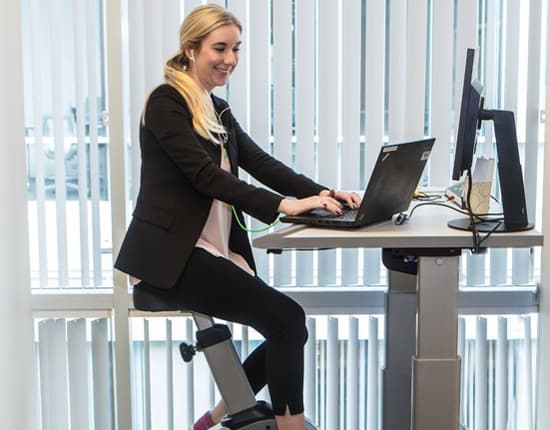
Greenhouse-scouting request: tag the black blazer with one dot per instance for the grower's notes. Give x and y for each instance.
(180, 177)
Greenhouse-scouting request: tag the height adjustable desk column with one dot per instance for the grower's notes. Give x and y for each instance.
(434, 361)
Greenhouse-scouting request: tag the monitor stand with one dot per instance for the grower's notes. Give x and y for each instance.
(496, 226)
(510, 175)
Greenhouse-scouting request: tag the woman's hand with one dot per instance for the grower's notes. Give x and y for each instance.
(328, 200)
(298, 206)
(353, 200)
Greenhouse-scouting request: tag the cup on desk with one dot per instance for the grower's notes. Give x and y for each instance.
(480, 197)
(482, 185)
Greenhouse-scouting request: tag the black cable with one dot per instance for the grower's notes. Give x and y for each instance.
(456, 209)
(499, 223)
(474, 218)
(475, 235)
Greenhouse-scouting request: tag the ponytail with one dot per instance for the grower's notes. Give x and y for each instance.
(204, 117)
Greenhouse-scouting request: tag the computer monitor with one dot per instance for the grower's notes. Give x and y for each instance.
(468, 123)
(514, 207)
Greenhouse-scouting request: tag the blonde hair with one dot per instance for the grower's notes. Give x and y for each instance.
(200, 22)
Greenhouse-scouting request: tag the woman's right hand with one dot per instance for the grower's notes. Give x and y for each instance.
(298, 206)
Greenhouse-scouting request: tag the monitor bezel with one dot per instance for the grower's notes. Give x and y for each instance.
(469, 121)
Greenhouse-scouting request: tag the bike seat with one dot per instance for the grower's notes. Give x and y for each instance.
(152, 299)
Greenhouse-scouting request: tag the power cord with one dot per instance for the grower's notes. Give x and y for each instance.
(457, 209)
(478, 218)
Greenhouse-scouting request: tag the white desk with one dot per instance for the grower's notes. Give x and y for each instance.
(433, 295)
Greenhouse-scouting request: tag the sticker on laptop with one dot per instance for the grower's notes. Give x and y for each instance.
(390, 148)
(425, 155)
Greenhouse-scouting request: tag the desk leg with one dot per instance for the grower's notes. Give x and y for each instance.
(400, 347)
(436, 366)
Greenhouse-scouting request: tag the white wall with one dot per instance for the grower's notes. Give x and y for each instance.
(17, 406)
(543, 374)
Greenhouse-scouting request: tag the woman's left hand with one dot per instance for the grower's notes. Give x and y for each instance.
(353, 200)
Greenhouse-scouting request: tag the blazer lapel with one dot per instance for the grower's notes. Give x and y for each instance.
(231, 144)
(231, 148)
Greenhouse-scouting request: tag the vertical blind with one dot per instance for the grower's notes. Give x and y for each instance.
(66, 142)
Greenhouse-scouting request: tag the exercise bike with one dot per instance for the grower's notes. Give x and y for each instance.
(244, 412)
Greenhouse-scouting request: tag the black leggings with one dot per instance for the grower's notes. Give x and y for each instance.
(217, 287)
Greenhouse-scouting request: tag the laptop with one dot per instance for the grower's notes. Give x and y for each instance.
(390, 190)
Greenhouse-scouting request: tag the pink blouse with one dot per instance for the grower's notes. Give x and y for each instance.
(215, 233)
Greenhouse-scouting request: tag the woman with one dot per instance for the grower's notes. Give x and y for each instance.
(184, 240)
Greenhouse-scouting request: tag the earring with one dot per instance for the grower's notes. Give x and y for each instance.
(185, 67)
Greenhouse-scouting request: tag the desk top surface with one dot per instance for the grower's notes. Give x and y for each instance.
(427, 228)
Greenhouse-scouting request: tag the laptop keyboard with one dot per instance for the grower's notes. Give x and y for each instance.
(348, 215)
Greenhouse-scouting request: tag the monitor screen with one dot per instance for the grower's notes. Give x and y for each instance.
(468, 123)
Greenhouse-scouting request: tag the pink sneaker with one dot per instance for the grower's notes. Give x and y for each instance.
(204, 422)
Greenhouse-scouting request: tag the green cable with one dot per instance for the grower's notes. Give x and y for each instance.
(249, 230)
(253, 230)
